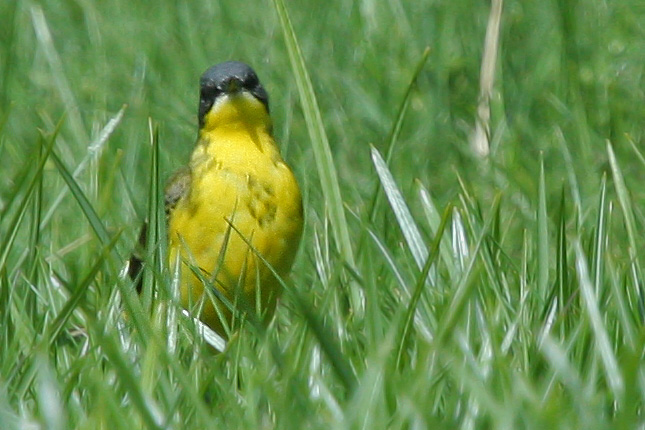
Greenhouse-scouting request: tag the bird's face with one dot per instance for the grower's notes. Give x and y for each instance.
(229, 90)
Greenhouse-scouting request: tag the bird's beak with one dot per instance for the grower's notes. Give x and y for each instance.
(232, 85)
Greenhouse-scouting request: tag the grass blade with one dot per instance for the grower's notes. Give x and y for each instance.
(600, 238)
(624, 200)
(92, 151)
(146, 406)
(480, 140)
(56, 65)
(14, 225)
(322, 152)
(602, 342)
(327, 341)
(434, 220)
(403, 216)
(396, 127)
(637, 152)
(86, 206)
(421, 282)
(542, 235)
(58, 73)
(132, 303)
(574, 185)
(153, 225)
(66, 312)
(463, 289)
(564, 289)
(630, 224)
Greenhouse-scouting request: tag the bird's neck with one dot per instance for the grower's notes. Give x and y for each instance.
(237, 113)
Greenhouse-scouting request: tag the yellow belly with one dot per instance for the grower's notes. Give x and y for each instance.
(238, 181)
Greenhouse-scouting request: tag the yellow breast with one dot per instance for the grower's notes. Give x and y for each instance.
(238, 179)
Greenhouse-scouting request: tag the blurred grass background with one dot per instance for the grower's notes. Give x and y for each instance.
(531, 315)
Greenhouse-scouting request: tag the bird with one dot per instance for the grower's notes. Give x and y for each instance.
(235, 209)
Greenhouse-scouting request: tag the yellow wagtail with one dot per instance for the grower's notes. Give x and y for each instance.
(235, 190)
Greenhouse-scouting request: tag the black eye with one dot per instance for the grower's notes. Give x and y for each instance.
(251, 81)
(208, 92)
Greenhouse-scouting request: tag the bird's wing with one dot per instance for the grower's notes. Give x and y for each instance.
(176, 188)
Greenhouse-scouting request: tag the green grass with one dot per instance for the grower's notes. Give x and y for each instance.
(434, 288)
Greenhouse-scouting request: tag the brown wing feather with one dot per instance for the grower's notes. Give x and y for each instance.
(177, 187)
